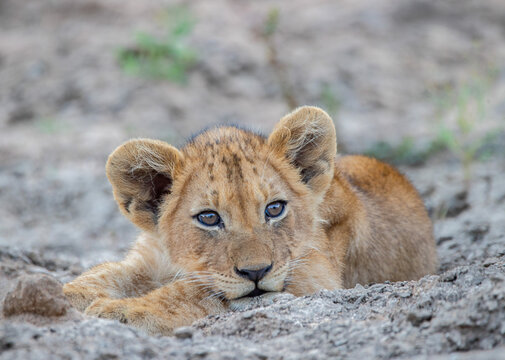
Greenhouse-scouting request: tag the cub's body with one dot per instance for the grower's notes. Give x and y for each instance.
(233, 215)
(392, 237)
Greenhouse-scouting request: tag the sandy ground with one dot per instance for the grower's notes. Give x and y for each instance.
(65, 105)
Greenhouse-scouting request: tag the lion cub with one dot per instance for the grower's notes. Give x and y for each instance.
(233, 215)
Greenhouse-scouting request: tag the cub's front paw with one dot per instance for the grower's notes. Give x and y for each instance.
(132, 312)
(114, 309)
(79, 296)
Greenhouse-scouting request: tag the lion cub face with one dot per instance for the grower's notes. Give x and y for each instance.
(236, 211)
(239, 223)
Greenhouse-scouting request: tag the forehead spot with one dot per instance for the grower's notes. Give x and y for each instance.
(238, 166)
(233, 167)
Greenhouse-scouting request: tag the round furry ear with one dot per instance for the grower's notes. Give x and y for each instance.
(306, 138)
(142, 173)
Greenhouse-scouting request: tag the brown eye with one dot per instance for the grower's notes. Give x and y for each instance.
(209, 218)
(275, 209)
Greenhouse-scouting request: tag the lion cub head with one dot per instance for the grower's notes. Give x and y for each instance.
(236, 211)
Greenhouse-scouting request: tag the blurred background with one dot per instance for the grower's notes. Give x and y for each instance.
(414, 82)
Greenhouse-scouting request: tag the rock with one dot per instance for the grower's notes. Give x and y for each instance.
(184, 332)
(36, 294)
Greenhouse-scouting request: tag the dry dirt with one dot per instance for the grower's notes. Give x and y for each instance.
(65, 105)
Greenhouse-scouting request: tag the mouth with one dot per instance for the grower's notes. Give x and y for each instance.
(256, 292)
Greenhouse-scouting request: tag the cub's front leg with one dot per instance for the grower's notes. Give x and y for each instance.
(103, 281)
(141, 291)
(113, 280)
(145, 268)
(315, 272)
(161, 311)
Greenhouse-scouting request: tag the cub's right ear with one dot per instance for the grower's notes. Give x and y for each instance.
(142, 173)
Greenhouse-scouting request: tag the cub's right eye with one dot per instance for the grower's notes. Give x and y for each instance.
(209, 218)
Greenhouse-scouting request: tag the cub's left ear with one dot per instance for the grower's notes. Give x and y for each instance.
(306, 138)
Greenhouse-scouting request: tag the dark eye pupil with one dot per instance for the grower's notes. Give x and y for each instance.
(209, 218)
(274, 209)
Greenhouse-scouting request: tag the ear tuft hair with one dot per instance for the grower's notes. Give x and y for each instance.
(306, 138)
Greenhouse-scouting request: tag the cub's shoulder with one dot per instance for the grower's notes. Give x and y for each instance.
(373, 176)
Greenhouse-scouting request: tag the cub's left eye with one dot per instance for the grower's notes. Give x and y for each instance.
(275, 209)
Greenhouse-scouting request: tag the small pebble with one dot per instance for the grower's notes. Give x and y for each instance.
(184, 332)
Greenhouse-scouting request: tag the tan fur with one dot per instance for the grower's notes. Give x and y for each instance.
(347, 220)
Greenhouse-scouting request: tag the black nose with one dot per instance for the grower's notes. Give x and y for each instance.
(254, 275)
